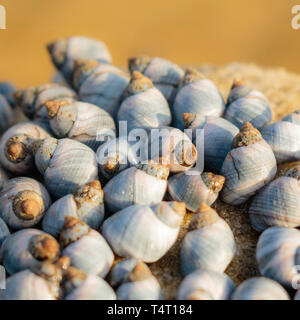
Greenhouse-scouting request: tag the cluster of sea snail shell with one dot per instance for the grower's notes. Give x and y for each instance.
(61, 233)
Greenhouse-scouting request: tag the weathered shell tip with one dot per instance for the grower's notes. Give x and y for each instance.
(27, 205)
(138, 63)
(248, 135)
(44, 247)
(140, 272)
(54, 105)
(213, 181)
(188, 119)
(178, 207)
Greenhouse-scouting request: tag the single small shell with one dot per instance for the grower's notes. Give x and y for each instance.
(165, 75)
(205, 285)
(209, 244)
(8, 90)
(284, 139)
(143, 232)
(278, 204)
(196, 95)
(218, 134)
(79, 286)
(100, 84)
(278, 255)
(172, 147)
(3, 178)
(249, 166)
(86, 204)
(7, 116)
(143, 106)
(16, 145)
(293, 117)
(247, 105)
(64, 53)
(23, 202)
(32, 100)
(260, 288)
(27, 249)
(66, 165)
(139, 284)
(86, 248)
(80, 121)
(193, 189)
(145, 184)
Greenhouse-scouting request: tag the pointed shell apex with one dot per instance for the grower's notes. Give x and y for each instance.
(248, 135)
(140, 272)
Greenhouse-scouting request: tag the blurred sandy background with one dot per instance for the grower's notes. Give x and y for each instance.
(186, 31)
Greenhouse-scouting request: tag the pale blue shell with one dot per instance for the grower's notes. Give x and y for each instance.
(7, 116)
(4, 231)
(7, 90)
(121, 270)
(293, 117)
(3, 178)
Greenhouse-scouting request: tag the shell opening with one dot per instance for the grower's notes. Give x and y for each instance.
(28, 205)
(248, 135)
(44, 247)
(213, 181)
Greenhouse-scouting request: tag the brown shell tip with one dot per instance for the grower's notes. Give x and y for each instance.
(44, 247)
(82, 66)
(70, 222)
(16, 150)
(192, 75)
(138, 63)
(111, 164)
(54, 105)
(213, 181)
(18, 96)
(188, 119)
(204, 216)
(203, 207)
(140, 272)
(64, 262)
(27, 205)
(236, 83)
(178, 207)
(95, 184)
(138, 83)
(248, 135)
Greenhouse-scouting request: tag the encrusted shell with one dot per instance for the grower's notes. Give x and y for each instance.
(194, 188)
(86, 204)
(278, 255)
(260, 288)
(145, 185)
(66, 165)
(143, 106)
(23, 202)
(196, 95)
(205, 285)
(209, 244)
(249, 166)
(143, 232)
(7, 116)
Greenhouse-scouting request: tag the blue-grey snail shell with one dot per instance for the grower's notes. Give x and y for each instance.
(86, 203)
(205, 285)
(143, 232)
(100, 84)
(7, 116)
(8, 90)
(284, 139)
(196, 95)
(195, 187)
(218, 134)
(77, 285)
(65, 164)
(16, 145)
(173, 147)
(64, 53)
(293, 117)
(139, 284)
(278, 203)
(80, 121)
(32, 100)
(247, 105)
(260, 288)
(28, 248)
(3, 178)
(85, 247)
(165, 75)
(145, 184)
(4, 231)
(249, 166)
(278, 255)
(209, 244)
(143, 106)
(23, 202)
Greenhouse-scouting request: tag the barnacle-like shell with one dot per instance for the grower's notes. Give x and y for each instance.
(172, 147)
(196, 95)
(206, 285)
(249, 166)
(217, 135)
(209, 244)
(7, 117)
(164, 74)
(139, 284)
(293, 117)
(145, 184)
(8, 90)
(80, 121)
(64, 53)
(32, 100)
(247, 105)
(86, 204)
(260, 288)
(27, 249)
(143, 232)
(86, 248)
(79, 286)
(143, 106)
(100, 84)
(278, 204)
(16, 145)
(278, 255)
(193, 189)
(23, 202)
(66, 164)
